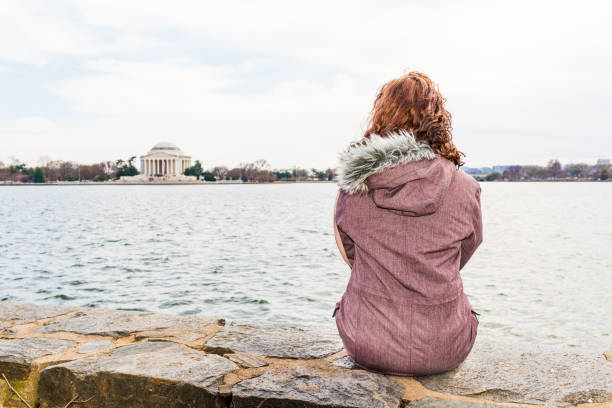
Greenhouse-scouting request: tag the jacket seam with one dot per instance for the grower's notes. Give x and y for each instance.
(367, 290)
(411, 337)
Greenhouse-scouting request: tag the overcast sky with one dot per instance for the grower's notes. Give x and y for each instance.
(293, 82)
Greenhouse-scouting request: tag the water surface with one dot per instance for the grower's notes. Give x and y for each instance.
(267, 253)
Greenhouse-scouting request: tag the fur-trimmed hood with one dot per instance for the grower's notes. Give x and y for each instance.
(402, 173)
(377, 154)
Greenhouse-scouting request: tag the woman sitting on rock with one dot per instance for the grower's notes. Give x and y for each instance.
(406, 221)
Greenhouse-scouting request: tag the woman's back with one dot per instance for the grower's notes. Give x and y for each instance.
(408, 220)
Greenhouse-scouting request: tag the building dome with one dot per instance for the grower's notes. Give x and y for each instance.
(165, 146)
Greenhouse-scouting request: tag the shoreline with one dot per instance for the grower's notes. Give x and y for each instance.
(261, 183)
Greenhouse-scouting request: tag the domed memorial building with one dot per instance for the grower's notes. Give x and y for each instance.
(165, 162)
(164, 159)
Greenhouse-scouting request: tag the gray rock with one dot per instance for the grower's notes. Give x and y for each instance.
(345, 362)
(306, 387)
(117, 323)
(160, 374)
(429, 402)
(94, 346)
(22, 313)
(277, 340)
(16, 355)
(247, 360)
(510, 372)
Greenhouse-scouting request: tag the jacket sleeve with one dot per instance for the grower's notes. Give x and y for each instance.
(472, 241)
(347, 243)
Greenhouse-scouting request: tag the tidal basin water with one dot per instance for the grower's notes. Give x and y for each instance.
(267, 253)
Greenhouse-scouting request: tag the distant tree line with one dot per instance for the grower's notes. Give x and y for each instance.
(553, 171)
(48, 170)
(259, 171)
(56, 170)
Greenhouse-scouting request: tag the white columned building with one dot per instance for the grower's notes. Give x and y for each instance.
(165, 162)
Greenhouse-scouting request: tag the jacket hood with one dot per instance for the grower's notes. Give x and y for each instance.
(403, 175)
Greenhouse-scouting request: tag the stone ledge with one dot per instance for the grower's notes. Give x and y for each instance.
(277, 341)
(17, 355)
(51, 354)
(533, 374)
(302, 386)
(159, 374)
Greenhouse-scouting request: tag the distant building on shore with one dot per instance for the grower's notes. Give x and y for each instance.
(165, 162)
(603, 162)
(164, 159)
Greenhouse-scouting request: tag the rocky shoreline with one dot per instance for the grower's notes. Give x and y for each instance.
(58, 356)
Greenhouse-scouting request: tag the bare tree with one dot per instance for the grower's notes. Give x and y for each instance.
(246, 170)
(261, 164)
(235, 173)
(67, 170)
(533, 172)
(578, 170)
(220, 172)
(95, 172)
(555, 168)
(513, 173)
(603, 171)
(299, 173)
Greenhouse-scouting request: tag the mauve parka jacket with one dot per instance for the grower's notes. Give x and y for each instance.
(409, 220)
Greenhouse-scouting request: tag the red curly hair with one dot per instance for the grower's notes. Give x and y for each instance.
(413, 103)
